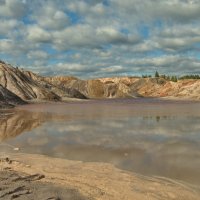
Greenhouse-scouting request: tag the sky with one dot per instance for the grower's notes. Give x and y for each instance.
(101, 38)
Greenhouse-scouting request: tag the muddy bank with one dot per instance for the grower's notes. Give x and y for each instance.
(87, 180)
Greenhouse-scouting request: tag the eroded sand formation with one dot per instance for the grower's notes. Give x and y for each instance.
(30, 86)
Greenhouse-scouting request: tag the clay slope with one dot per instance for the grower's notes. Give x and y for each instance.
(8, 99)
(157, 87)
(132, 87)
(30, 86)
(18, 83)
(105, 87)
(92, 88)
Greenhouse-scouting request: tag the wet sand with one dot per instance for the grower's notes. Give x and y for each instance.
(66, 179)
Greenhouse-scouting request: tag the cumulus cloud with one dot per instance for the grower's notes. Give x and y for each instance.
(86, 36)
(52, 17)
(37, 34)
(8, 26)
(12, 8)
(37, 55)
(175, 10)
(95, 37)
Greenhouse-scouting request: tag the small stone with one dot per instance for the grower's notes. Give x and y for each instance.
(16, 149)
(8, 160)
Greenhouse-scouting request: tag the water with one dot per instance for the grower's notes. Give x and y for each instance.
(151, 137)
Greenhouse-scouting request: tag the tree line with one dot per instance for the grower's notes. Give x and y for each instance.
(172, 78)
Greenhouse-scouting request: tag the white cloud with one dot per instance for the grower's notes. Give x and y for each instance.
(177, 43)
(92, 38)
(71, 66)
(175, 10)
(7, 26)
(113, 69)
(111, 35)
(37, 34)
(12, 8)
(11, 47)
(85, 8)
(86, 36)
(51, 17)
(37, 54)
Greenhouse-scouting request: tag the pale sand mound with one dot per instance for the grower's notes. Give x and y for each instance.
(99, 181)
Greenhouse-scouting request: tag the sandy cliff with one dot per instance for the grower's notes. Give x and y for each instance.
(18, 83)
(132, 87)
(30, 86)
(8, 99)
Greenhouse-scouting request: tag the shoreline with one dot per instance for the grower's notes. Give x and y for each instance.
(97, 180)
(169, 99)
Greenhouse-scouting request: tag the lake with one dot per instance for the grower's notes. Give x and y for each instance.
(147, 136)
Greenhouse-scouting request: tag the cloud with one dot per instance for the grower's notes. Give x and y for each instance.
(8, 26)
(95, 8)
(111, 35)
(113, 69)
(92, 38)
(86, 36)
(178, 43)
(51, 17)
(12, 8)
(37, 55)
(173, 10)
(11, 47)
(37, 34)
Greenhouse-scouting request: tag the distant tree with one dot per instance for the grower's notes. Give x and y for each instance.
(163, 76)
(174, 78)
(144, 76)
(157, 75)
(168, 78)
(190, 77)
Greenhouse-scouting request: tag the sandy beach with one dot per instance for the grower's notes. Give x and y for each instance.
(26, 176)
